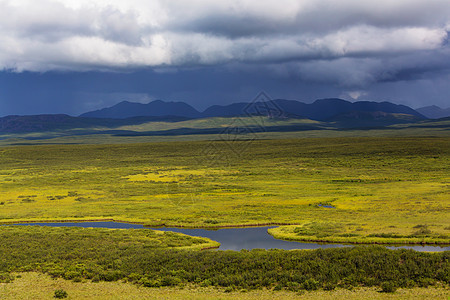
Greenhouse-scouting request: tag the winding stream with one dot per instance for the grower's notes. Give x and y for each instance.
(231, 238)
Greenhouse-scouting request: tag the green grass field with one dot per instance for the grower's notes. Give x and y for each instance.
(376, 188)
(252, 128)
(384, 190)
(156, 259)
(39, 286)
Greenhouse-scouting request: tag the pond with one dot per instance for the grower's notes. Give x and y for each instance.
(231, 238)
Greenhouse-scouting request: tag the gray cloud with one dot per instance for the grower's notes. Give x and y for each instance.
(316, 17)
(349, 43)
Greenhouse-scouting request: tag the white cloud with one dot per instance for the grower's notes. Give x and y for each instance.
(365, 39)
(323, 38)
(355, 95)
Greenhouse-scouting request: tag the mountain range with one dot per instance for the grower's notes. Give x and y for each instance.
(320, 110)
(331, 113)
(434, 112)
(157, 108)
(40, 123)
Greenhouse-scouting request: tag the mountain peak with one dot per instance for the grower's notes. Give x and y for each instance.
(160, 101)
(331, 100)
(321, 109)
(156, 108)
(434, 112)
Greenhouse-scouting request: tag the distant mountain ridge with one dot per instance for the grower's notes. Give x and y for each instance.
(321, 110)
(434, 112)
(365, 119)
(39, 123)
(157, 108)
(335, 112)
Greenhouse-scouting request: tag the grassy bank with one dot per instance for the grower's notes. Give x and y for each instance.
(378, 188)
(157, 259)
(330, 232)
(38, 286)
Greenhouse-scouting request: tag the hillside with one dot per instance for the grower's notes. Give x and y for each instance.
(156, 108)
(365, 119)
(434, 112)
(320, 110)
(172, 119)
(42, 123)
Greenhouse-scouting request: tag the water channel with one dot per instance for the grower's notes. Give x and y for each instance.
(232, 238)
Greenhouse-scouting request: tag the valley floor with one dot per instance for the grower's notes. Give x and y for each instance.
(39, 286)
(371, 190)
(392, 190)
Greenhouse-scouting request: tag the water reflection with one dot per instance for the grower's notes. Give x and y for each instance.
(248, 238)
(232, 238)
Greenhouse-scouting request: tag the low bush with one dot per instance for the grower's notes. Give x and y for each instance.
(6, 277)
(60, 294)
(310, 285)
(133, 256)
(388, 287)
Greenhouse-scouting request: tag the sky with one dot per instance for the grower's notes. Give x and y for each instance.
(73, 56)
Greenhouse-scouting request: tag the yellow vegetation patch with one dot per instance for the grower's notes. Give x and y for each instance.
(381, 185)
(39, 286)
(171, 175)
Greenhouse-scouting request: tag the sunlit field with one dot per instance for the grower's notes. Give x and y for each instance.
(155, 259)
(40, 286)
(392, 190)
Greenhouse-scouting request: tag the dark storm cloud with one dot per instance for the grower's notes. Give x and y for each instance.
(339, 47)
(75, 92)
(308, 17)
(46, 34)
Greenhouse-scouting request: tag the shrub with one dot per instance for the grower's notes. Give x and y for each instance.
(211, 221)
(111, 275)
(133, 277)
(72, 275)
(310, 285)
(170, 281)
(329, 286)
(425, 282)
(423, 230)
(278, 287)
(6, 278)
(59, 294)
(147, 282)
(293, 286)
(388, 287)
(206, 283)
